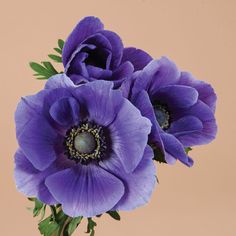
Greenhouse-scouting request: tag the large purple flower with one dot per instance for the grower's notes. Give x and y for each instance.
(180, 108)
(91, 53)
(84, 147)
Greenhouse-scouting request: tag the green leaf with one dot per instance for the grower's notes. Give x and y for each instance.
(114, 214)
(44, 71)
(48, 65)
(158, 154)
(42, 78)
(55, 58)
(43, 212)
(31, 199)
(48, 227)
(37, 207)
(71, 227)
(58, 50)
(90, 227)
(188, 149)
(54, 212)
(39, 69)
(61, 43)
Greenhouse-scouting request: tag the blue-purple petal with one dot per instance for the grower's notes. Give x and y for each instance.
(143, 175)
(123, 72)
(137, 57)
(205, 90)
(85, 28)
(175, 150)
(30, 181)
(117, 47)
(157, 74)
(85, 190)
(185, 126)
(27, 108)
(100, 100)
(209, 128)
(59, 81)
(65, 111)
(38, 140)
(176, 96)
(98, 73)
(129, 134)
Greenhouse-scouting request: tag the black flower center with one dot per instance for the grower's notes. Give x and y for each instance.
(85, 143)
(162, 116)
(96, 57)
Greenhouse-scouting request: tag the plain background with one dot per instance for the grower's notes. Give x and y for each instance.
(200, 36)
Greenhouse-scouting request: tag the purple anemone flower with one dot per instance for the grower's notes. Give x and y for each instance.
(84, 147)
(180, 108)
(92, 53)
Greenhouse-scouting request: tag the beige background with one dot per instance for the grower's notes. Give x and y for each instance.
(200, 36)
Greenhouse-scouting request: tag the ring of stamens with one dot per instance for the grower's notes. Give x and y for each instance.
(94, 132)
(162, 115)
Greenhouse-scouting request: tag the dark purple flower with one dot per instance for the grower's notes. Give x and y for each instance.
(84, 147)
(92, 53)
(180, 108)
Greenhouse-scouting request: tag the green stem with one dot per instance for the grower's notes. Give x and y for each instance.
(54, 212)
(66, 222)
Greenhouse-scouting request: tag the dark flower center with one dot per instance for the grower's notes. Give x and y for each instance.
(162, 116)
(85, 143)
(96, 57)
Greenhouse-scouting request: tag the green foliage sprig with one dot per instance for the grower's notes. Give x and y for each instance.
(45, 69)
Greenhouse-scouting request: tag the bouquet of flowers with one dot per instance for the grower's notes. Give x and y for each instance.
(88, 140)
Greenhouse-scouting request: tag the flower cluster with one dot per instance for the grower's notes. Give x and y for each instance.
(87, 141)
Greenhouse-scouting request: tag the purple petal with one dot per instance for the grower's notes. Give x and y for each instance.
(209, 129)
(174, 150)
(59, 81)
(117, 47)
(122, 73)
(167, 74)
(171, 160)
(205, 91)
(143, 103)
(126, 87)
(103, 48)
(37, 140)
(30, 181)
(98, 73)
(185, 125)
(138, 185)
(99, 40)
(53, 96)
(84, 29)
(27, 108)
(85, 190)
(101, 102)
(65, 111)
(78, 79)
(137, 57)
(75, 64)
(177, 96)
(157, 74)
(129, 133)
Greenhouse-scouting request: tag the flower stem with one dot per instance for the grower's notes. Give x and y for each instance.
(67, 221)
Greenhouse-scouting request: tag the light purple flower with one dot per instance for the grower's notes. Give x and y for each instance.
(84, 147)
(92, 53)
(180, 108)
